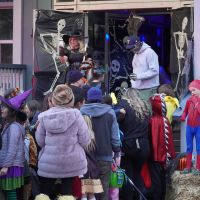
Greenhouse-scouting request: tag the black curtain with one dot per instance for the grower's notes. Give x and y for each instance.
(46, 29)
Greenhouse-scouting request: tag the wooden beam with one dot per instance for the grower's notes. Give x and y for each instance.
(121, 4)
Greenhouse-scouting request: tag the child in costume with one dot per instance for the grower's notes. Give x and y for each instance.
(111, 100)
(12, 152)
(171, 101)
(162, 147)
(192, 112)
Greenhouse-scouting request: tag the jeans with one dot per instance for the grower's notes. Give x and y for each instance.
(105, 171)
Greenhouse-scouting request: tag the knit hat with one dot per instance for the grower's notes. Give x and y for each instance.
(73, 76)
(63, 96)
(94, 93)
(195, 84)
(16, 102)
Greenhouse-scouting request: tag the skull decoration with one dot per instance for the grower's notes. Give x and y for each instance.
(115, 66)
(61, 24)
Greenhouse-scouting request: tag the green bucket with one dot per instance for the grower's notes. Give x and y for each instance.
(117, 178)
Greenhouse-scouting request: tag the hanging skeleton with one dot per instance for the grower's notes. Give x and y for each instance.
(133, 24)
(186, 69)
(181, 39)
(52, 48)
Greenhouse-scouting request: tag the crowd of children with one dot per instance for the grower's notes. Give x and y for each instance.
(68, 148)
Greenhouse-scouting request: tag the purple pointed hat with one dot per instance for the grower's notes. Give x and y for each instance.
(16, 102)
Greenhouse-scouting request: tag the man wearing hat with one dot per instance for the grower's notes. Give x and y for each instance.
(97, 79)
(145, 76)
(105, 127)
(74, 78)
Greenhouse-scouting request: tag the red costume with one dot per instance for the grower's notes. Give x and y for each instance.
(192, 110)
(161, 133)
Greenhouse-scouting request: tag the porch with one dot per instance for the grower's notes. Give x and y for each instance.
(12, 75)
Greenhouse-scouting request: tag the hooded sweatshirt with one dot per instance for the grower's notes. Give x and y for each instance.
(106, 129)
(62, 135)
(146, 67)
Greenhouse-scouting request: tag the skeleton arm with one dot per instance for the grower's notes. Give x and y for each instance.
(175, 39)
(186, 39)
(49, 50)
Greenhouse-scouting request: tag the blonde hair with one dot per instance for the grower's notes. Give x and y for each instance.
(139, 105)
(92, 145)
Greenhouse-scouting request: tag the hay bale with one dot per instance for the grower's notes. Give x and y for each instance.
(184, 187)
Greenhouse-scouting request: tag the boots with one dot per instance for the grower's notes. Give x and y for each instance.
(188, 164)
(197, 170)
(198, 162)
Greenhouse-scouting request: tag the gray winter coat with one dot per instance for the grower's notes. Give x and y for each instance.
(62, 134)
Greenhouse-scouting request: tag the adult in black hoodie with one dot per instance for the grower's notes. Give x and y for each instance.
(135, 145)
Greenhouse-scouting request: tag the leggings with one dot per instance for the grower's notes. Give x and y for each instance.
(47, 185)
(11, 195)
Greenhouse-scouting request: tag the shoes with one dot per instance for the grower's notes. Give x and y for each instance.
(196, 172)
(186, 171)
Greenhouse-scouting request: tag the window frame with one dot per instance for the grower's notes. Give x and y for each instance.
(6, 6)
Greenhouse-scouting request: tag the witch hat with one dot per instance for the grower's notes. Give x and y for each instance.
(16, 102)
(78, 34)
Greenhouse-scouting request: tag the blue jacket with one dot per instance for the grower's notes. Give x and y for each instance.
(106, 129)
(12, 152)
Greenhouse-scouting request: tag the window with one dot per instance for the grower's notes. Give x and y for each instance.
(60, 1)
(6, 53)
(6, 24)
(6, 35)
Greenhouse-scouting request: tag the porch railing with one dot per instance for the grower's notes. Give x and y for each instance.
(12, 75)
